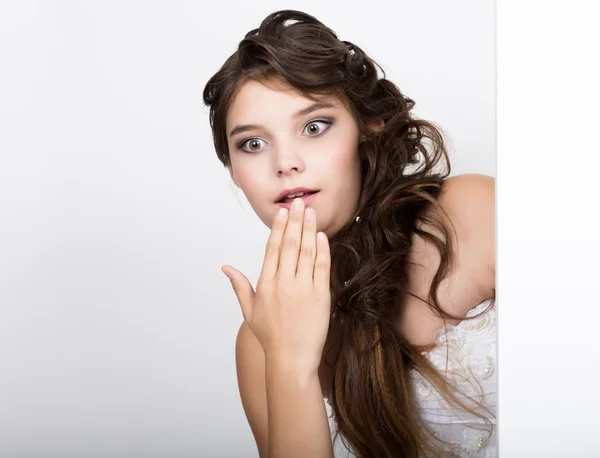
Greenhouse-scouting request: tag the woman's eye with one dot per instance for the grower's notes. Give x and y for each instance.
(314, 128)
(252, 145)
(317, 127)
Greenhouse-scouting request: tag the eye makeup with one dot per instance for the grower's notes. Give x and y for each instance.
(325, 120)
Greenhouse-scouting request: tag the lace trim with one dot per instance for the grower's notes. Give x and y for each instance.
(465, 354)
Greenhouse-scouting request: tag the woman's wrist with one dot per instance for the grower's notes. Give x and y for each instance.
(291, 369)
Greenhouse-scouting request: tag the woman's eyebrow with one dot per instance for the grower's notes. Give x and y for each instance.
(314, 107)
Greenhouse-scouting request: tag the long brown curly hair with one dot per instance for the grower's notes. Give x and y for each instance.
(403, 166)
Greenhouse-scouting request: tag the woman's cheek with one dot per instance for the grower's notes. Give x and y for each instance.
(246, 177)
(251, 184)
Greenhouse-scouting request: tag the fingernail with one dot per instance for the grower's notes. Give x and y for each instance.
(321, 240)
(297, 204)
(309, 213)
(225, 272)
(282, 213)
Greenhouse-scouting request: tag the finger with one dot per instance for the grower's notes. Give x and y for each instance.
(308, 246)
(242, 288)
(290, 246)
(322, 263)
(273, 248)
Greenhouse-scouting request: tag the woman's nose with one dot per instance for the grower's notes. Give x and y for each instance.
(288, 162)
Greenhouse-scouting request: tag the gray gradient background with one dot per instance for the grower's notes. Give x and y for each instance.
(117, 327)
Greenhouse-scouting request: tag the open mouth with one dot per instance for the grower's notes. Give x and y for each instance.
(290, 198)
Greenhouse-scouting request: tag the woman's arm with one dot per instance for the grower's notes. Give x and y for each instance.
(288, 315)
(289, 421)
(298, 425)
(250, 365)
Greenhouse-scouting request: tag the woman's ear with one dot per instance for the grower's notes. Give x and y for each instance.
(374, 126)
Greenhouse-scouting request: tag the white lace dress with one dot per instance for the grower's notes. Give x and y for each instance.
(465, 354)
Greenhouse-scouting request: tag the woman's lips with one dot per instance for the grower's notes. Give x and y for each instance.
(307, 198)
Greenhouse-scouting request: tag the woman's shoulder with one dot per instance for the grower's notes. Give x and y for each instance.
(470, 203)
(469, 196)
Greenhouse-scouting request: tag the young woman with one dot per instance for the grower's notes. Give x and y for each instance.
(371, 332)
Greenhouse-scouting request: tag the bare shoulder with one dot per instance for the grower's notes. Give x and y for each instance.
(469, 200)
(250, 365)
(468, 195)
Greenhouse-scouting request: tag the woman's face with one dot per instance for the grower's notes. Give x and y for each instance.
(279, 140)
